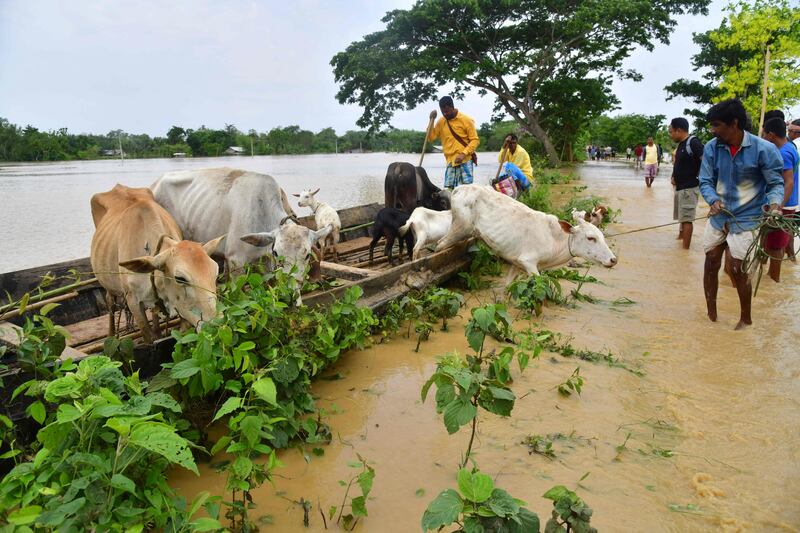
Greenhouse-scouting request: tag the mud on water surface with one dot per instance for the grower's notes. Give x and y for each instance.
(725, 404)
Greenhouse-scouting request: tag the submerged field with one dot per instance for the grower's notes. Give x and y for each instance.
(705, 440)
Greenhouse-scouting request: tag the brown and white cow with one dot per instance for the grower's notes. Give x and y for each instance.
(138, 254)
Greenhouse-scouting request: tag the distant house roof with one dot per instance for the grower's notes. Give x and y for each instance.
(235, 150)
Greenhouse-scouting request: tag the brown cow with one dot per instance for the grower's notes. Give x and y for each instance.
(137, 253)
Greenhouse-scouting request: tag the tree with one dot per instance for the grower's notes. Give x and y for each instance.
(623, 131)
(732, 58)
(517, 50)
(176, 135)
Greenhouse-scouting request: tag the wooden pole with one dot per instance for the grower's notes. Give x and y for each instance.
(425, 142)
(764, 92)
(502, 160)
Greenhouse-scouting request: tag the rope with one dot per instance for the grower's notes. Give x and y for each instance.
(653, 227)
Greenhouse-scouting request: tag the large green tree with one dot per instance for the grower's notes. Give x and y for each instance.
(527, 53)
(731, 58)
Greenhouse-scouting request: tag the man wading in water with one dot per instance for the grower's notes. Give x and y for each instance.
(650, 162)
(459, 142)
(687, 159)
(742, 189)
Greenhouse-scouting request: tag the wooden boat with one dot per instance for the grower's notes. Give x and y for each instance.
(82, 308)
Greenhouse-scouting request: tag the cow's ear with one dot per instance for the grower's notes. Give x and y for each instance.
(144, 264)
(260, 239)
(167, 242)
(211, 246)
(565, 226)
(315, 236)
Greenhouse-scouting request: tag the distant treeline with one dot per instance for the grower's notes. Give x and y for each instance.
(31, 144)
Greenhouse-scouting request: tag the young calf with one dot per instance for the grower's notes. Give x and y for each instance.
(595, 217)
(387, 224)
(427, 226)
(323, 216)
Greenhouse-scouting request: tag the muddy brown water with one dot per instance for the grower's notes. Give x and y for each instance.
(724, 402)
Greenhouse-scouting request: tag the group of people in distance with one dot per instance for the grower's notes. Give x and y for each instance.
(740, 175)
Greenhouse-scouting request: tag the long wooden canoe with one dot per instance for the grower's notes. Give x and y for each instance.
(82, 308)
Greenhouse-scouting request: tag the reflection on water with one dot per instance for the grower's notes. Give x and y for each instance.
(714, 425)
(44, 207)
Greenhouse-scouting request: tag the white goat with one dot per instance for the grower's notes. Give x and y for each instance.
(323, 215)
(427, 226)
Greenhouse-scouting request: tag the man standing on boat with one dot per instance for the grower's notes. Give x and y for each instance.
(740, 173)
(459, 142)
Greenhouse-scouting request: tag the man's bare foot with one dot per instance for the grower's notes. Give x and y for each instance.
(712, 315)
(743, 324)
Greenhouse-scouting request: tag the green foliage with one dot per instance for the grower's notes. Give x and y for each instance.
(364, 478)
(553, 176)
(623, 131)
(30, 144)
(559, 344)
(570, 512)
(479, 506)
(541, 445)
(484, 263)
(573, 383)
(420, 310)
(104, 457)
(538, 198)
(532, 292)
(730, 60)
(544, 84)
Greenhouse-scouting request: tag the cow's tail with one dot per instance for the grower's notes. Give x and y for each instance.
(405, 228)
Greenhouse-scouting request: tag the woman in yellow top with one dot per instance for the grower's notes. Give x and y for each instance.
(459, 142)
(516, 155)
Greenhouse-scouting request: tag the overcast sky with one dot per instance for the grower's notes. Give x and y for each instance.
(144, 66)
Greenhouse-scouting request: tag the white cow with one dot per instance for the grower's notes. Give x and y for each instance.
(324, 215)
(527, 239)
(238, 203)
(427, 226)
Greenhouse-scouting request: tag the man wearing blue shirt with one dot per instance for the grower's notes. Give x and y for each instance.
(777, 241)
(740, 173)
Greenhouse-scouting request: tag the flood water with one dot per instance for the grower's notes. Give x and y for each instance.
(44, 207)
(724, 403)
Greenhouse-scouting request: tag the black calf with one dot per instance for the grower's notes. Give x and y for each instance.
(387, 224)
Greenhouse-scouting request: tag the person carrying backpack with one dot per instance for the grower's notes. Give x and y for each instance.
(686, 168)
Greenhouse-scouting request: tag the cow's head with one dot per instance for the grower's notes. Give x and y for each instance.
(586, 241)
(306, 198)
(594, 217)
(440, 200)
(185, 277)
(292, 244)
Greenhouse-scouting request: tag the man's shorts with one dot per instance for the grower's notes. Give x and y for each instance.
(684, 204)
(738, 243)
(460, 175)
(778, 240)
(651, 170)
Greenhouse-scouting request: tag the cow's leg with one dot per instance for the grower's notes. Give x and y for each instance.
(409, 245)
(112, 330)
(156, 323)
(420, 238)
(376, 237)
(388, 250)
(140, 317)
(456, 233)
(334, 237)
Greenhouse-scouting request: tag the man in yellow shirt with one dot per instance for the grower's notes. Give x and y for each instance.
(650, 162)
(459, 142)
(517, 157)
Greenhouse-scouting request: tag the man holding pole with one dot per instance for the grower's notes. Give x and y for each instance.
(516, 162)
(459, 142)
